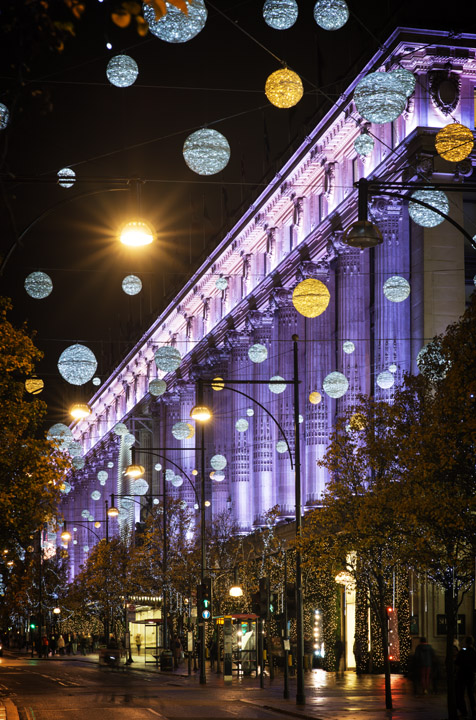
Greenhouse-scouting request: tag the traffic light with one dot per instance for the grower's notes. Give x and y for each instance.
(273, 603)
(263, 597)
(33, 622)
(204, 598)
(291, 600)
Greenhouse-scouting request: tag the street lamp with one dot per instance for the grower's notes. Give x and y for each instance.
(79, 411)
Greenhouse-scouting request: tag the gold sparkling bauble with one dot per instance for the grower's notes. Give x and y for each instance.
(315, 398)
(284, 88)
(311, 297)
(357, 421)
(218, 384)
(34, 385)
(454, 142)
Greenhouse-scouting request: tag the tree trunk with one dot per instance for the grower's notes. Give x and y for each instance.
(451, 612)
(386, 661)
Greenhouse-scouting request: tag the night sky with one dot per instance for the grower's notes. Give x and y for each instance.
(65, 113)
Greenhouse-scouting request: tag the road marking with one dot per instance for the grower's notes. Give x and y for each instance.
(156, 713)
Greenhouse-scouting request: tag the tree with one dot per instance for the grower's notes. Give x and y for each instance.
(31, 468)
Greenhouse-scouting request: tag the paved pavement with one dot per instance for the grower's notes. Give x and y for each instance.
(328, 697)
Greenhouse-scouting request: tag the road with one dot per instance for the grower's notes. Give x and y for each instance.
(75, 689)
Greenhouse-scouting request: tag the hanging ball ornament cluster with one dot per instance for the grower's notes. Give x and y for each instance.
(363, 144)
(257, 353)
(331, 14)
(4, 116)
(157, 387)
(424, 216)
(206, 152)
(280, 14)
(132, 285)
(167, 358)
(396, 288)
(66, 177)
(122, 71)
(176, 26)
(335, 384)
(454, 142)
(34, 385)
(380, 97)
(77, 364)
(284, 88)
(38, 285)
(311, 297)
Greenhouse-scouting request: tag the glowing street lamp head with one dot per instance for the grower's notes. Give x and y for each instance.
(78, 411)
(201, 413)
(236, 591)
(113, 511)
(134, 471)
(65, 536)
(136, 234)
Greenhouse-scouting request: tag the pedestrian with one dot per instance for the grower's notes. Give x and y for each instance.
(308, 652)
(339, 652)
(177, 651)
(74, 644)
(212, 647)
(358, 655)
(424, 663)
(61, 645)
(465, 673)
(53, 644)
(138, 642)
(44, 646)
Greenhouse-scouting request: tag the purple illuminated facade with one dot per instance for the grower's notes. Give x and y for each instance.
(294, 231)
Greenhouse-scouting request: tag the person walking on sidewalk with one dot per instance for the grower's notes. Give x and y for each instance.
(138, 642)
(465, 672)
(424, 664)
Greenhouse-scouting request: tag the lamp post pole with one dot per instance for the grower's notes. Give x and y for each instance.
(300, 694)
(203, 553)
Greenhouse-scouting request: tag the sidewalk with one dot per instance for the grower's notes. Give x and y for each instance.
(328, 697)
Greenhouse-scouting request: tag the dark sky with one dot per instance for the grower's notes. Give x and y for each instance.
(64, 112)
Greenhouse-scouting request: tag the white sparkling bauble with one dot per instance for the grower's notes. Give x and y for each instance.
(85, 514)
(139, 486)
(250, 412)
(393, 368)
(277, 388)
(78, 463)
(66, 177)
(110, 464)
(158, 467)
(348, 347)
(38, 285)
(129, 439)
(257, 353)
(66, 487)
(157, 387)
(281, 446)
(175, 26)
(86, 548)
(127, 503)
(177, 481)
(218, 462)
(406, 78)
(385, 379)
(396, 288)
(77, 364)
(219, 476)
(280, 14)
(75, 449)
(424, 217)
(120, 429)
(181, 430)
(331, 14)
(221, 283)
(206, 152)
(364, 144)
(132, 285)
(102, 476)
(169, 474)
(61, 435)
(335, 384)
(241, 425)
(95, 495)
(4, 116)
(167, 358)
(122, 71)
(96, 381)
(380, 97)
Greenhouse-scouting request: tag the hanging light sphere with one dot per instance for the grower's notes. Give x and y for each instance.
(281, 446)
(218, 476)
(335, 384)
(140, 487)
(393, 368)
(422, 215)
(176, 26)
(102, 476)
(405, 78)
(315, 398)
(167, 358)
(362, 234)
(257, 353)
(217, 384)
(38, 285)
(129, 439)
(132, 285)
(127, 503)
(122, 71)
(454, 142)
(364, 144)
(34, 385)
(276, 387)
(348, 347)
(110, 464)
(157, 387)
(331, 14)
(380, 97)
(136, 233)
(250, 412)
(284, 88)
(241, 425)
(97, 524)
(120, 429)
(158, 467)
(280, 14)
(236, 591)
(385, 379)
(177, 481)
(311, 297)
(182, 431)
(66, 177)
(79, 411)
(66, 487)
(221, 283)
(75, 449)
(78, 463)
(85, 514)
(95, 495)
(206, 152)
(396, 288)
(218, 462)
(4, 116)
(77, 364)
(61, 435)
(96, 381)
(169, 474)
